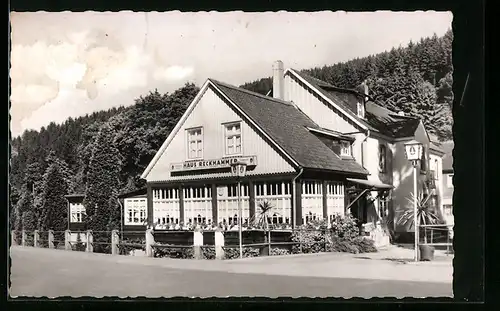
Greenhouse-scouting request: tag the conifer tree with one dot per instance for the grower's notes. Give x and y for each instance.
(54, 214)
(103, 183)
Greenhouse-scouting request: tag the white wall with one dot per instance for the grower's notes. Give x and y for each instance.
(403, 175)
(315, 107)
(210, 113)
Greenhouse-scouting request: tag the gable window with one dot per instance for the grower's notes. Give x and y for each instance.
(345, 148)
(361, 110)
(195, 143)
(382, 157)
(449, 181)
(232, 137)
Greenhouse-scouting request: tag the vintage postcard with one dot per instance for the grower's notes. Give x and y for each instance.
(231, 154)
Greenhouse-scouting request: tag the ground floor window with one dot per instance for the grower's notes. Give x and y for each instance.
(166, 207)
(198, 205)
(312, 201)
(335, 199)
(227, 204)
(135, 211)
(278, 195)
(77, 212)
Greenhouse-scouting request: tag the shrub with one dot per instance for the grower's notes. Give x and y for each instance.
(174, 252)
(233, 253)
(126, 249)
(308, 241)
(364, 245)
(279, 251)
(342, 245)
(344, 227)
(208, 252)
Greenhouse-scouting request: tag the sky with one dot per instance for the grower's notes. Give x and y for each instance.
(66, 64)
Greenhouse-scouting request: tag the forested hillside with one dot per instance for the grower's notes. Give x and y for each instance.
(80, 154)
(416, 79)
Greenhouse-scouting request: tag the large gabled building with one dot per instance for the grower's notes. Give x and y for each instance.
(312, 150)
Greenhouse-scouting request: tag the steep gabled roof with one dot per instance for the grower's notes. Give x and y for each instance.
(377, 118)
(288, 127)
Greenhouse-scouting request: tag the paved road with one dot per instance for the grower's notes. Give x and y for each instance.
(51, 273)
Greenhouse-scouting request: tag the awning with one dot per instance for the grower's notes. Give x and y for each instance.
(370, 185)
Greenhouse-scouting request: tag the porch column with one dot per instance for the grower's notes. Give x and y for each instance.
(325, 201)
(181, 203)
(150, 205)
(251, 199)
(297, 216)
(215, 213)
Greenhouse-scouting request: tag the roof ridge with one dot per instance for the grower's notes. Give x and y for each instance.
(236, 88)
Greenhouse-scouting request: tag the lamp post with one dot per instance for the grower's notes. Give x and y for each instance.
(239, 169)
(413, 152)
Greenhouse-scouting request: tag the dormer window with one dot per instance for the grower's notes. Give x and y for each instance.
(345, 148)
(361, 110)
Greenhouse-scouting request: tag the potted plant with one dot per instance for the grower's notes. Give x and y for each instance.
(426, 216)
(261, 220)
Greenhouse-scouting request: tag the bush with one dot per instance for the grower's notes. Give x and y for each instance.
(344, 227)
(234, 253)
(280, 251)
(208, 252)
(364, 245)
(126, 249)
(174, 252)
(308, 241)
(341, 245)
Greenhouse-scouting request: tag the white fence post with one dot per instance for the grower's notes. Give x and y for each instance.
(23, 238)
(90, 241)
(13, 241)
(197, 243)
(150, 240)
(67, 240)
(51, 239)
(36, 238)
(219, 244)
(115, 239)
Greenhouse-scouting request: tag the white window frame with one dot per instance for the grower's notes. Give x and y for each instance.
(134, 209)
(189, 140)
(345, 151)
(361, 110)
(449, 180)
(234, 136)
(77, 211)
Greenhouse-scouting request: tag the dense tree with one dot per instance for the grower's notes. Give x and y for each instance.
(103, 213)
(54, 212)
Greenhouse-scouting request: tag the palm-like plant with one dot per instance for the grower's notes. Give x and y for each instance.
(261, 219)
(425, 215)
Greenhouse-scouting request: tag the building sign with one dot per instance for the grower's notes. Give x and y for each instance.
(212, 164)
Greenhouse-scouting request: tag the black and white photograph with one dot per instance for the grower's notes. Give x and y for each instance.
(231, 154)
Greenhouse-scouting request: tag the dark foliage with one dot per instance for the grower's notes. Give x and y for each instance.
(416, 79)
(234, 253)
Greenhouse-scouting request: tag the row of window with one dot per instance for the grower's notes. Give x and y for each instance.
(232, 141)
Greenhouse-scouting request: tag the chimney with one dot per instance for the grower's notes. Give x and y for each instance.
(366, 91)
(278, 80)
